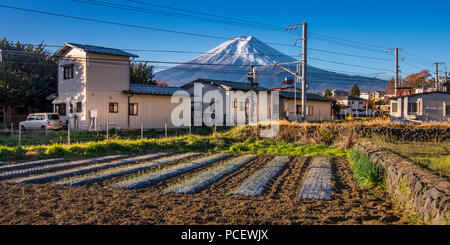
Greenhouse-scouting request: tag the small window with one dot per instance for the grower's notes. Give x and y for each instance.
(310, 111)
(447, 110)
(70, 107)
(60, 109)
(394, 107)
(113, 107)
(79, 107)
(235, 104)
(299, 109)
(133, 110)
(412, 107)
(68, 72)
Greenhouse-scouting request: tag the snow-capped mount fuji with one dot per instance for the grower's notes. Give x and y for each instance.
(232, 60)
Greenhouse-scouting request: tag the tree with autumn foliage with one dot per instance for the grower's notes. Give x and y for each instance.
(419, 80)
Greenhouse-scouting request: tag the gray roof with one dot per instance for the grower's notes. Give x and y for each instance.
(348, 98)
(95, 49)
(152, 89)
(316, 97)
(230, 84)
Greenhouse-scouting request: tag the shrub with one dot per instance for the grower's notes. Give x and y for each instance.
(57, 150)
(366, 173)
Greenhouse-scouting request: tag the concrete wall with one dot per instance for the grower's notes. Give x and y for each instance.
(421, 192)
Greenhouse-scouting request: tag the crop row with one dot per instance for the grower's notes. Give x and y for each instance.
(58, 166)
(86, 169)
(256, 184)
(30, 164)
(152, 177)
(210, 175)
(110, 173)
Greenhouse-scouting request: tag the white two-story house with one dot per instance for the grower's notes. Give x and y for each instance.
(94, 90)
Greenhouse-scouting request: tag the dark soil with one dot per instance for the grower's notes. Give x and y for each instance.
(94, 204)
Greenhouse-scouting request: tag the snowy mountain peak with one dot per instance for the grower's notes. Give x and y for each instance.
(232, 60)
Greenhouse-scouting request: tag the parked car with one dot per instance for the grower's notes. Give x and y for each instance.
(42, 121)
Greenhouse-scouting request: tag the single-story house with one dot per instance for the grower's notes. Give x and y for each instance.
(429, 106)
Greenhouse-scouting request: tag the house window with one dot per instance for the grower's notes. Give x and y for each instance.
(71, 107)
(235, 104)
(447, 110)
(412, 107)
(310, 111)
(133, 109)
(114, 107)
(299, 109)
(79, 108)
(394, 107)
(68, 72)
(60, 109)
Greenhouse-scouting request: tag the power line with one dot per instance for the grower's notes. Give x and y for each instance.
(207, 64)
(177, 15)
(127, 25)
(203, 13)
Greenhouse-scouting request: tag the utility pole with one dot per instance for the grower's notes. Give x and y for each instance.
(436, 74)
(301, 69)
(304, 70)
(397, 82)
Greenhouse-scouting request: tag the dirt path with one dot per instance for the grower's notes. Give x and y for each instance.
(94, 204)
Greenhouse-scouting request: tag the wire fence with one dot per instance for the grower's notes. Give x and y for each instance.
(13, 135)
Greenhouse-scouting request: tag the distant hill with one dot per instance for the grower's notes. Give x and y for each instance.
(232, 59)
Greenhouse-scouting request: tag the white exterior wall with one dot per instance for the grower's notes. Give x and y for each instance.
(227, 93)
(430, 107)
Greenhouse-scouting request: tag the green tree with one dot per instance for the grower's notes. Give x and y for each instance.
(327, 93)
(28, 75)
(355, 91)
(141, 73)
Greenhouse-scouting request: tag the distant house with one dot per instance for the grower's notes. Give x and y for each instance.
(431, 106)
(351, 105)
(318, 108)
(94, 90)
(339, 93)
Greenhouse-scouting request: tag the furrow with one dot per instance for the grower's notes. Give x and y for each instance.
(30, 164)
(152, 177)
(86, 169)
(256, 184)
(82, 180)
(210, 175)
(56, 167)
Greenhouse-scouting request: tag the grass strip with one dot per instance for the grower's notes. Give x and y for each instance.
(147, 179)
(205, 178)
(81, 170)
(82, 180)
(255, 185)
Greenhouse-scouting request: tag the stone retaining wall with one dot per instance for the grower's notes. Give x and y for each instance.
(421, 191)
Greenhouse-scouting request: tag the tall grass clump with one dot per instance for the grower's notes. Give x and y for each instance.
(366, 173)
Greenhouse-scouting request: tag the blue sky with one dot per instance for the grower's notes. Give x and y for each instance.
(422, 28)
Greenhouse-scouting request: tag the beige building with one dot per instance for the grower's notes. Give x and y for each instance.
(94, 90)
(318, 108)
